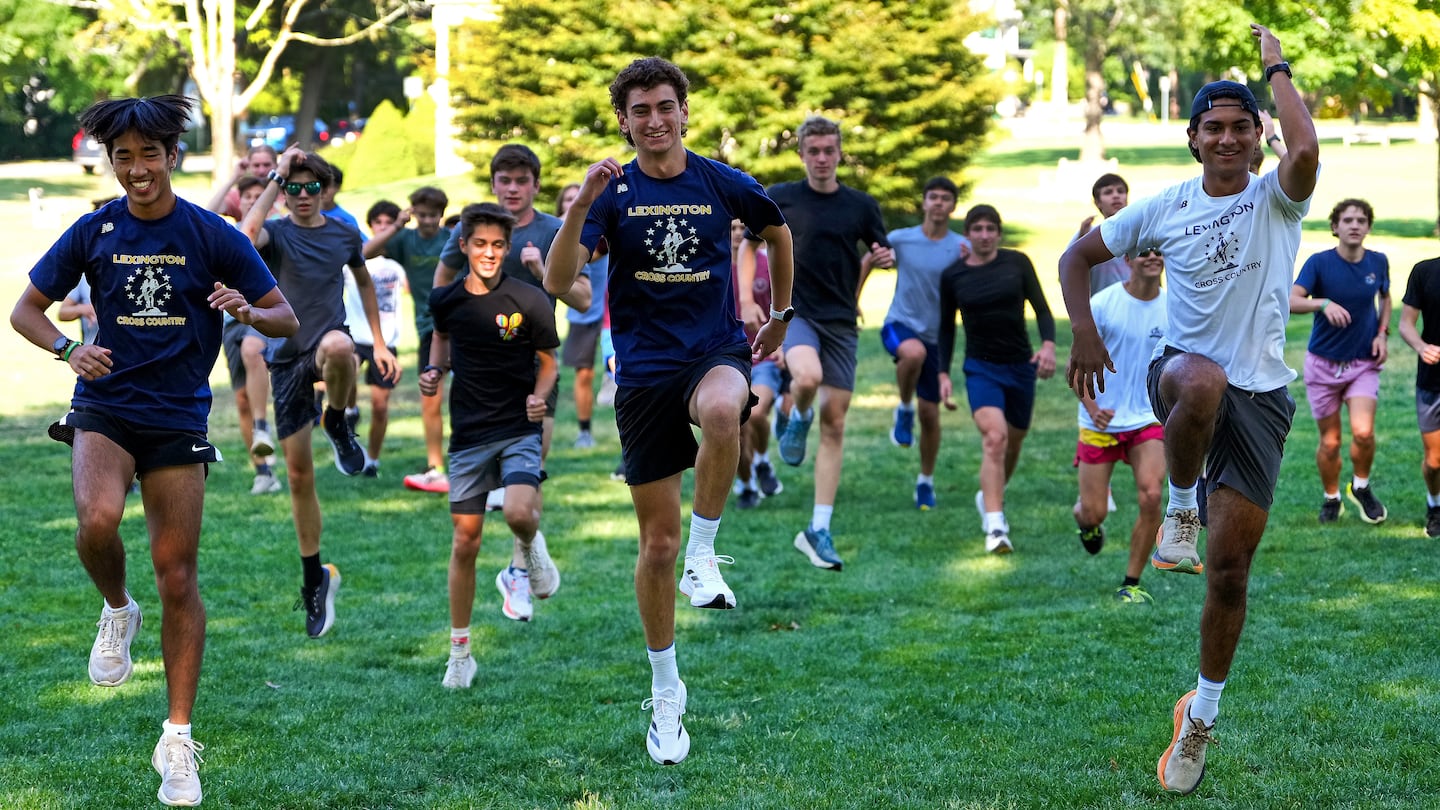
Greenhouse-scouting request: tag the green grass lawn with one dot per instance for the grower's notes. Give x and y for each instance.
(926, 675)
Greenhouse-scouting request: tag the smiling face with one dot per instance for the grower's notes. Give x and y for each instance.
(654, 119)
(142, 167)
(1147, 263)
(485, 249)
(1225, 137)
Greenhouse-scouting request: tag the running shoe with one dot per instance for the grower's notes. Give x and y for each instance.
(514, 589)
(1132, 595)
(1093, 538)
(319, 602)
(261, 445)
(770, 486)
(667, 741)
(820, 548)
(1371, 510)
(372, 468)
(544, 576)
(1432, 521)
(177, 760)
(1182, 766)
(265, 484)
(432, 480)
(110, 663)
(1331, 509)
(584, 441)
(792, 441)
(747, 499)
(902, 432)
(998, 542)
(924, 497)
(704, 585)
(350, 457)
(1175, 543)
(459, 672)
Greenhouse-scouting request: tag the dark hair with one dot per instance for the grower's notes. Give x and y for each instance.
(383, 208)
(451, 221)
(515, 156)
(430, 197)
(248, 182)
(560, 198)
(1352, 202)
(1205, 101)
(816, 125)
(338, 176)
(942, 183)
(477, 214)
(317, 166)
(981, 213)
(1107, 179)
(645, 74)
(156, 118)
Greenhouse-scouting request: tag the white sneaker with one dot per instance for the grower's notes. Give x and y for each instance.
(667, 742)
(110, 657)
(1175, 543)
(515, 590)
(998, 542)
(177, 760)
(704, 585)
(544, 576)
(495, 501)
(265, 483)
(261, 445)
(459, 672)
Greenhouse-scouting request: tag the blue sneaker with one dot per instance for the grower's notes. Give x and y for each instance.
(902, 433)
(792, 441)
(818, 546)
(924, 497)
(782, 418)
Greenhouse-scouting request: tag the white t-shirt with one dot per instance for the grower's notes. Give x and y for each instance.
(1229, 261)
(1131, 328)
(388, 278)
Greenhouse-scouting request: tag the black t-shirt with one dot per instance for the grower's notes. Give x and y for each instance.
(308, 264)
(828, 230)
(493, 342)
(1422, 292)
(991, 299)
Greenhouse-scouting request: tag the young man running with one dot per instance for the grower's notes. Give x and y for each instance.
(161, 270)
(1219, 383)
(682, 358)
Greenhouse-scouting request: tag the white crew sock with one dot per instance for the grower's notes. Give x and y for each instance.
(664, 675)
(1181, 498)
(1206, 705)
(702, 536)
(1356, 482)
(820, 518)
(178, 729)
(925, 479)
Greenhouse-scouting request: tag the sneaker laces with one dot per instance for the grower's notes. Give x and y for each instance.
(1187, 529)
(1195, 738)
(309, 600)
(112, 630)
(666, 712)
(708, 572)
(182, 756)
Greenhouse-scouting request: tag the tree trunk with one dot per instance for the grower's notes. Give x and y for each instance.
(1060, 63)
(312, 89)
(1092, 148)
(222, 92)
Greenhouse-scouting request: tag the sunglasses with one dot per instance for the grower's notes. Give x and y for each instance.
(1148, 252)
(312, 188)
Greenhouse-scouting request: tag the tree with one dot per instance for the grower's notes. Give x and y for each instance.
(912, 101)
(1408, 33)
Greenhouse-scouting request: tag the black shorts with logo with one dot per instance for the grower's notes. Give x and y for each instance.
(151, 447)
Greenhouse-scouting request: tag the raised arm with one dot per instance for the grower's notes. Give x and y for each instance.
(1302, 156)
(567, 256)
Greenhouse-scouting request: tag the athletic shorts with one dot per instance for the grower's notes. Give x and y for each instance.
(1096, 447)
(835, 342)
(766, 374)
(927, 387)
(366, 353)
(656, 441)
(580, 345)
(230, 339)
(1329, 384)
(1249, 438)
(474, 471)
(1007, 386)
(151, 447)
(293, 384)
(1427, 409)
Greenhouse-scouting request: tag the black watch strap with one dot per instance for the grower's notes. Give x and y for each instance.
(279, 179)
(1280, 67)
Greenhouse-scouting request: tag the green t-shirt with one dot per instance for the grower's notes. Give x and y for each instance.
(418, 256)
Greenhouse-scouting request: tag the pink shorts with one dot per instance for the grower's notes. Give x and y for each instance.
(1095, 447)
(1329, 384)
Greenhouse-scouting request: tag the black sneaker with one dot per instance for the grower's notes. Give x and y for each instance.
(1432, 521)
(352, 420)
(749, 499)
(1093, 539)
(1371, 510)
(770, 486)
(319, 602)
(1331, 510)
(350, 458)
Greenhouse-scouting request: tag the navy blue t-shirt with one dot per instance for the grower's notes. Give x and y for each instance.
(149, 283)
(1352, 286)
(672, 301)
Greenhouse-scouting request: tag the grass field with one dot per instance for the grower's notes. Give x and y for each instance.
(926, 675)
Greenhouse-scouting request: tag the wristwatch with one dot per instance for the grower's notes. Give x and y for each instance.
(1279, 67)
(785, 315)
(279, 179)
(59, 346)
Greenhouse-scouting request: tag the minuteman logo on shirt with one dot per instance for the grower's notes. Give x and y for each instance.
(149, 289)
(672, 241)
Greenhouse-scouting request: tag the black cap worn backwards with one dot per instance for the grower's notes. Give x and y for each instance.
(1215, 92)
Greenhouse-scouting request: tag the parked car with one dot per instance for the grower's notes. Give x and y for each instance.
(278, 131)
(348, 129)
(89, 154)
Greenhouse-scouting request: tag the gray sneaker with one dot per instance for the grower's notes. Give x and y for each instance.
(177, 760)
(110, 656)
(1182, 766)
(265, 484)
(1175, 543)
(544, 576)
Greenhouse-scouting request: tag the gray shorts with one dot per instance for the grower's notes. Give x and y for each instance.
(230, 339)
(476, 470)
(766, 374)
(1249, 438)
(580, 345)
(1427, 409)
(836, 343)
